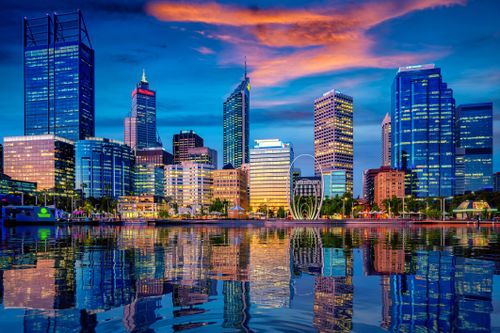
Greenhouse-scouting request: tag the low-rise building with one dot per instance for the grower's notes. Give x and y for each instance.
(12, 186)
(335, 183)
(141, 206)
(388, 183)
(231, 184)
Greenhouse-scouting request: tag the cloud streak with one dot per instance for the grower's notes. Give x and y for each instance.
(284, 44)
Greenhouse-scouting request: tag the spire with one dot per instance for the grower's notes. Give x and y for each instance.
(246, 67)
(144, 76)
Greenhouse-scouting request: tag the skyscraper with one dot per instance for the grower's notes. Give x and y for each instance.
(236, 124)
(423, 131)
(333, 134)
(474, 133)
(270, 176)
(140, 126)
(386, 140)
(58, 77)
(182, 142)
(104, 167)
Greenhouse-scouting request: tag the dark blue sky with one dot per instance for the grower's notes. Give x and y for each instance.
(193, 55)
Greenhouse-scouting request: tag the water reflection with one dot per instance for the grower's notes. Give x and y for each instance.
(146, 279)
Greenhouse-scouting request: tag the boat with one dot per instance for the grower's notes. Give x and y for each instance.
(30, 215)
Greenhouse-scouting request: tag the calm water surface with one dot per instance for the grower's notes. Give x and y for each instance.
(216, 279)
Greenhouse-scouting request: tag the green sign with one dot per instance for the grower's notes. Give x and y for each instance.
(44, 213)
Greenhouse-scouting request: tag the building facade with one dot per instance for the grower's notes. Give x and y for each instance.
(140, 126)
(142, 206)
(149, 180)
(333, 134)
(153, 155)
(236, 130)
(423, 131)
(9, 185)
(335, 183)
(1, 159)
(496, 182)
(308, 187)
(173, 184)
(58, 77)
(474, 134)
(270, 176)
(47, 160)
(387, 184)
(197, 185)
(386, 140)
(203, 155)
(231, 184)
(182, 142)
(104, 168)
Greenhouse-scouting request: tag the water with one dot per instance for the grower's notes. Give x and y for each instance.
(255, 279)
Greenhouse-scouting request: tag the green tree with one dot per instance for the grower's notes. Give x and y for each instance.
(216, 206)
(281, 213)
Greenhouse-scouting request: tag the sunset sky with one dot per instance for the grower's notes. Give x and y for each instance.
(193, 54)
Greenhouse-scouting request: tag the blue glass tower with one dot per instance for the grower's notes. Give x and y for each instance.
(423, 131)
(474, 133)
(140, 127)
(104, 168)
(236, 125)
(58, 77)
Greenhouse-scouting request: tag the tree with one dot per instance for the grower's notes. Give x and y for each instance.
(281, 212)
(216, 206)
(163, 214)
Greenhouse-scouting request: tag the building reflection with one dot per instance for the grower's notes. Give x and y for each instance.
(184, 278)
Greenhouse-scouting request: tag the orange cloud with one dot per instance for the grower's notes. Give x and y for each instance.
(285, 44)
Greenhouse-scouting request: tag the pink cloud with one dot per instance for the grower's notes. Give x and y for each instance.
(284, 44)
(205, 50)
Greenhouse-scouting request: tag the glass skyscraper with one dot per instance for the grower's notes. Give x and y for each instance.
(140, 126)
(423, 131)
(58, 77)
(104, 167)
(474, 134)
(236, 125)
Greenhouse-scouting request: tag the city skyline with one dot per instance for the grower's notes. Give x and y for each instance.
(281, 106)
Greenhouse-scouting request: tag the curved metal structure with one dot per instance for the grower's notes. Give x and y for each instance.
(306, 208)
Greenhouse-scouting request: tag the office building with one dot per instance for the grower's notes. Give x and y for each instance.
(335, 183)
(423, 131)
(386, 140)
(153, 155)
(333, 134)
(236, 125)
(231, 184)
(368, 184)
(388, 183)
(308, 187)
(203, 155)
(9, 185)
(182, 142)
(459, 185)
(140, 125)
(474, 133)
(496, 182)
(47, 160)
(1, 159)
(103, 168)
(173, 184)
(197, 185)
(58, 77)
(270, 176)
(148, 180)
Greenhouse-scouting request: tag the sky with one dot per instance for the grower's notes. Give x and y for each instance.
(193, 53)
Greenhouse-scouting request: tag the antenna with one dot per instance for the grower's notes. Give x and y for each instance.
(245, 67)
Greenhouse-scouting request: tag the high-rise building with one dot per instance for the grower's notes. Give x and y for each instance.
(153, 155)
(333, 134)
(236, 125)
(496, 182)
(197, 185)
(386, 140)
(388, 183)
(231, 184)
(104, 167)
(423, 131)
(1, 158)
(173, 183)
(148, 180)
(203, 155)
(47, 160)
(270, 176)
(182, 142)
(474, 133)
(58, 77)
(140, 126)
(368, 184)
